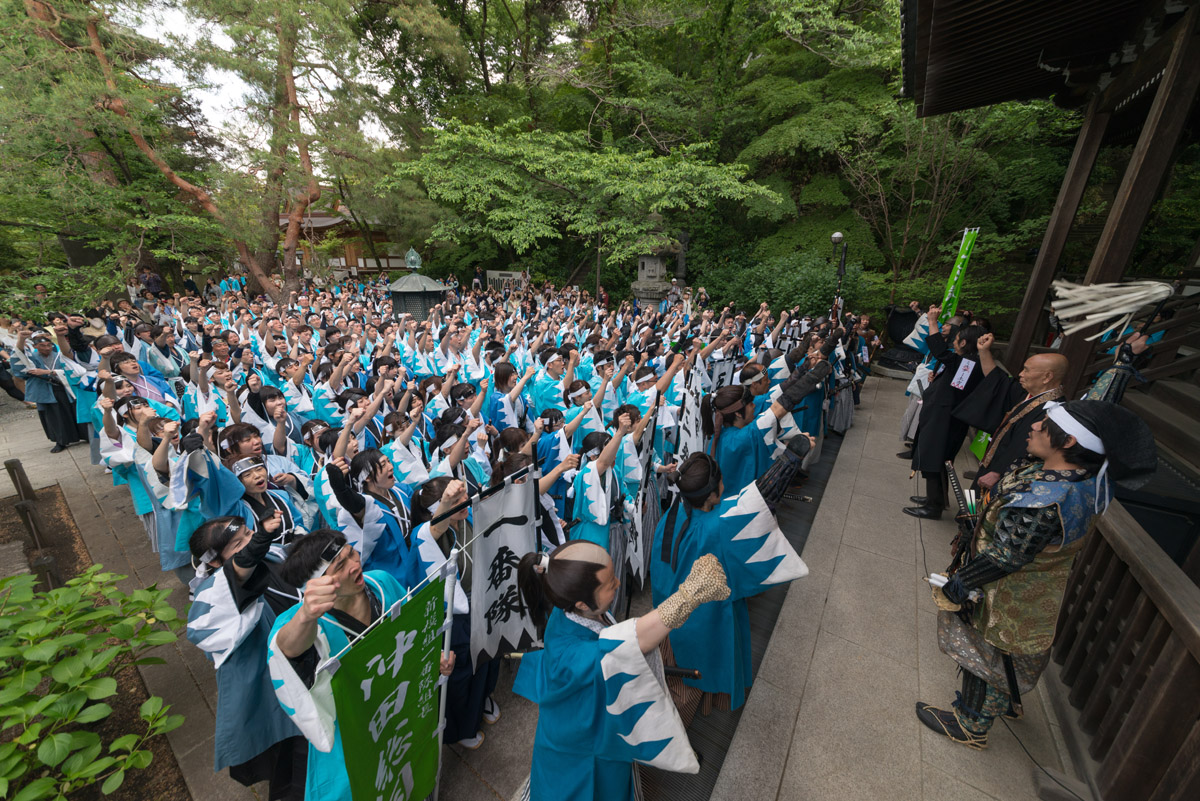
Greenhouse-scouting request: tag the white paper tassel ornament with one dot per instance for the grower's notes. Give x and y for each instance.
(1079, 307)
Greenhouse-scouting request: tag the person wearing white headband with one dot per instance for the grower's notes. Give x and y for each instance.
(596, 484)
(558, 372)
(1036, 518)
(237, 593)
(340, 601)
(582, 751)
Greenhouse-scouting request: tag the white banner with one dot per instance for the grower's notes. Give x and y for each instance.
(646, 513)
(721, 372)
(691, 432)
(504, 532)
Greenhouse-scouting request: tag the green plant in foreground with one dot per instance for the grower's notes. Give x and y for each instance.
(59, 653)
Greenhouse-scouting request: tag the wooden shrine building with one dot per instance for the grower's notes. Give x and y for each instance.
(1128, 640)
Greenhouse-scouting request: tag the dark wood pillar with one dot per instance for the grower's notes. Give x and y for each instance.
(1086, 147)
(1152, 157)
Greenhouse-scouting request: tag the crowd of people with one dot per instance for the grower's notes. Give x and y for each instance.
(289, 460)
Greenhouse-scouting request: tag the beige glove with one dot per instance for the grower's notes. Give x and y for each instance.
(706, 582)
(942, 602)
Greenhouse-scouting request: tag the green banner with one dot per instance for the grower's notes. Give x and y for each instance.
(954, 285)
(386, 691)
(980, 444)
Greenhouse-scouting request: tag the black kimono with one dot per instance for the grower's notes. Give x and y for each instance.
(939, 433)
(1001, 407)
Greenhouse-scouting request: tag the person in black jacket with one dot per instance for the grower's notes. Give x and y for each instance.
(1006, 407)
(939, 433)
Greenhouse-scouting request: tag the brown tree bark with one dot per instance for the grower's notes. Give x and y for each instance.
(299, 200)
(202, 197)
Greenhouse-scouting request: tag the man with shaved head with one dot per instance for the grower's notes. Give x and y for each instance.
(1007, 407)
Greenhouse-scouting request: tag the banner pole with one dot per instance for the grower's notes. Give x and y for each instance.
(448, 598)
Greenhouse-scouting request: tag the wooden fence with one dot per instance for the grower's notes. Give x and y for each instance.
(1129, 646)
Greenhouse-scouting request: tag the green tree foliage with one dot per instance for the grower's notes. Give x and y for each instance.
(523, 187)
(79, 203)
(514, 133)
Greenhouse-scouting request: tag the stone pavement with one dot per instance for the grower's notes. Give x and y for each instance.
(831, 712)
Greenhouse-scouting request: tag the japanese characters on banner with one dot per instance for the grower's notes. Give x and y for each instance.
(506, 530)
(639, 538)
(386, 691)
(691, 432)
(720, 372)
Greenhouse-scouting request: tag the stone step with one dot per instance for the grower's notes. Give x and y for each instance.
(1181, 395)
(1173, 429)
(12, 559)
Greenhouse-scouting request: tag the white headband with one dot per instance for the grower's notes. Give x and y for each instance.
(364, 474)
(433, 510)
(449, 443)
(543, 563)
(579, 392)
(247, 464)
(1073, 427)
(554, 357)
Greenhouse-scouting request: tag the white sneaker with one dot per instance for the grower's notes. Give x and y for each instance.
(491, 710)
(472, 743)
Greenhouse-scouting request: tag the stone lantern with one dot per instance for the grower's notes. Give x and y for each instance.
(654, 280)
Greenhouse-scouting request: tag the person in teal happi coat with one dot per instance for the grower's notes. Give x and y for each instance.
(743, 441)
(755, 555)
(590, 728)
(339, 602)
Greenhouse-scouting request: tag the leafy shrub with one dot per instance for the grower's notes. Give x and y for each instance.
(808, 280)
(59, 653)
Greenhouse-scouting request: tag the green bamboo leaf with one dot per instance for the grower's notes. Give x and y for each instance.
(69, 670)
(102, 659)
(157, 638)
(43, 651)
(66, 707)
(122, 631)
(150, 707)
(89, 770)
(79, 763)
(11, 692)
(102, 687)
(125, 743)
(169, 723)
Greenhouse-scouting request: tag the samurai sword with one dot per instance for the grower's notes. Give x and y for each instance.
(961, 546)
